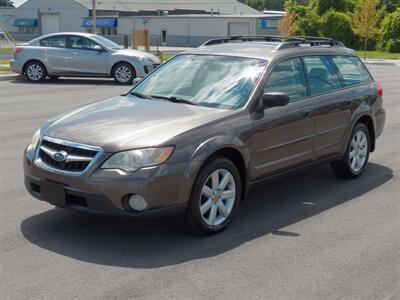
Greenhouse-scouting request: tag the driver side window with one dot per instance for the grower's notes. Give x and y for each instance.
(288, 77)
(78, 42)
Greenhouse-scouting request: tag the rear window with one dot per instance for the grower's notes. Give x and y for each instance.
(56, 41)
(351, 69)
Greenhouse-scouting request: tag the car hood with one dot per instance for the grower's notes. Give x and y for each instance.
(136, 53)
(126, 122)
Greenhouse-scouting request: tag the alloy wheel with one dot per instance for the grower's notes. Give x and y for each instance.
(123, 74)
(34, 72)
(217, 197)
(358, 151)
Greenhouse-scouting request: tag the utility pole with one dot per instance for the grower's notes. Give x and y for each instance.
(94, 16)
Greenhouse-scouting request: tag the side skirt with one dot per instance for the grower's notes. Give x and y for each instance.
(278, 175)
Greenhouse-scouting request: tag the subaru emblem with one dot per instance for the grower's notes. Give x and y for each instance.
(60, 156)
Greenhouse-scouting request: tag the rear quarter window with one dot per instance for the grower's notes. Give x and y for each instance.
(55, 42)
(351, 70)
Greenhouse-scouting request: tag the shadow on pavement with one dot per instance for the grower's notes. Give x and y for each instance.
(68, 81)
(159, 242)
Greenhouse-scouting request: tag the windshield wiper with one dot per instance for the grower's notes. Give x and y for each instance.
(174, 99)
(139, 95)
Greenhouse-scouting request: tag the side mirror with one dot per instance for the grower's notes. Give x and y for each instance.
(137, 80)
(274, 99)
(98, 48)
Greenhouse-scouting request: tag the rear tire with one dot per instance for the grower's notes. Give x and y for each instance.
(357, 154)
(215, 197)
(35, 71)
(124, 73)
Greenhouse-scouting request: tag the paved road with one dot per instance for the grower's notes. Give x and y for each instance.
(309, 236)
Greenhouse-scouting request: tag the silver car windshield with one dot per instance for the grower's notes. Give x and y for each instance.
(106, 42)
(206, 80)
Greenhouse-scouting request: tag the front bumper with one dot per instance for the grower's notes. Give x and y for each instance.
(106, 192)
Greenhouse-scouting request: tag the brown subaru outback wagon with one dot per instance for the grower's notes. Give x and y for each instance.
(193, 135)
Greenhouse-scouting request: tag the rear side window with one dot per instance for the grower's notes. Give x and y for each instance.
(288, 77)
(78, 42)
(321, 74)
(56, 42)
(351, 69)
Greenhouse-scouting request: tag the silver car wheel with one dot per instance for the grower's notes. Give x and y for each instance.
(358, 151)
(123, 74)
(217, 197)
(34, 72)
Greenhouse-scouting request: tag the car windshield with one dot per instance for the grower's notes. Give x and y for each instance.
(106, 42)
(207, 80)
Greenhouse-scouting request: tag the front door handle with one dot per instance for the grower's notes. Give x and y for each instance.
(306, 113)
(75, 54)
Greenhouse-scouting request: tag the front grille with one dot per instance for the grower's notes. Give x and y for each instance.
(77, 159)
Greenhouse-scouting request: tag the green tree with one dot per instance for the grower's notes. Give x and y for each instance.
(6, 3)
(323, 6)
(390, 32)
(338, 25)
(366, 20)
(309, 24)
(267, 4)
(389, 5)
(256, 4)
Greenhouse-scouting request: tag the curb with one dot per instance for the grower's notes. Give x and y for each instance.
(382, 62)
(8, 76)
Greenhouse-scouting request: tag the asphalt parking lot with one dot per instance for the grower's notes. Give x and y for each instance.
(306, 236)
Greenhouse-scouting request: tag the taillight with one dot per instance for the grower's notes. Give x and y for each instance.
(380, 89)
(18, 50)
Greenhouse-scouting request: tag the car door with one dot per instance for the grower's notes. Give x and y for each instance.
(55, 54)
(85, 59)
(283, 136)
(332, 105)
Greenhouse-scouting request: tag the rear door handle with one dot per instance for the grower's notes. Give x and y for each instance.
(306, 112)
(75, 54)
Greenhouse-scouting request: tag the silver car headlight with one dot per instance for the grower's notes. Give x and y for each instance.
(132, 160)
(35, 140)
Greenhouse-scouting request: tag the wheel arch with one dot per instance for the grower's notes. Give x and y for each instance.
(120, 62)
(367, 121)
(232, 151)
(33, 60)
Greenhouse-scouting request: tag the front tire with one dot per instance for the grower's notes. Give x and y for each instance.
(35, 71)
(124, 73)
(215, 197)
(357, 154)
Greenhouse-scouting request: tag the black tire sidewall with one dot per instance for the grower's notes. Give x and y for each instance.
(194, 204)
(133, 73)
(44, 72)
(357, 128)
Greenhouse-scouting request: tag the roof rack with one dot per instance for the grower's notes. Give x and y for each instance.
(286, 41)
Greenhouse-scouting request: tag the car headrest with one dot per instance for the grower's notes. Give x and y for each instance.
(320, 73)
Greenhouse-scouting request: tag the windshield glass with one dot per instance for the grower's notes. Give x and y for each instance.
(207, 80)
(106, 42)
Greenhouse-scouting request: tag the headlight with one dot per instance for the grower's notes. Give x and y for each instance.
(35, 140)
(132, 160)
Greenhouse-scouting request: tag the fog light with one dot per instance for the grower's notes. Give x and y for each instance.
(137, 202)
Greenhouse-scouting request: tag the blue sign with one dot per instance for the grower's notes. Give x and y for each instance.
(101, 22)
(262, 23)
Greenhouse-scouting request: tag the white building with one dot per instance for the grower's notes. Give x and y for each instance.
(170, 22)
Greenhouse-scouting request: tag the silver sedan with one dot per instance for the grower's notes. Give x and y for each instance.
(80, 55)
